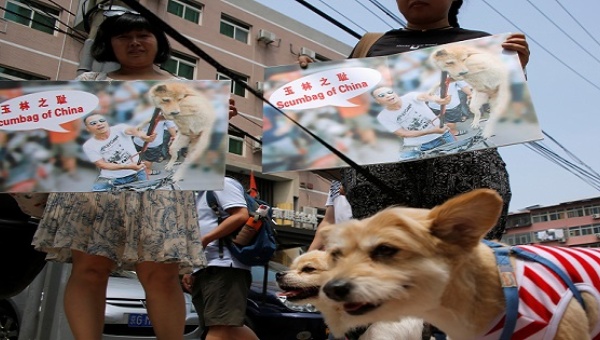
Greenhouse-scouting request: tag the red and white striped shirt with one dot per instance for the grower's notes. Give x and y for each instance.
(543, 296)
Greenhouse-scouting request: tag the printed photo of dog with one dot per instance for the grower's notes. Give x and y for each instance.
(485, 72)
(431, 264)
(301, 284)
(194, 116)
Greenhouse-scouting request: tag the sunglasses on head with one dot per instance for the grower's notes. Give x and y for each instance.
(114, 11)
(94, 122)
(383, 94)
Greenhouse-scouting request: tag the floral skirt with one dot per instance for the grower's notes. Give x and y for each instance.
(126, 227)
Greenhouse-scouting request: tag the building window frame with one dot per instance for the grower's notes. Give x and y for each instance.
(181, 59)
(235, 29)
(188, 9)
(9, 73)
(236, 145)
(38, 12)
(236, 88)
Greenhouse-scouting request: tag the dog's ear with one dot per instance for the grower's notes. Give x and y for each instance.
(160, 88)
(466, 218)
(441, 53)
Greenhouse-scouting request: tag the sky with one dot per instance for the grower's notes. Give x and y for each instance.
(563, 78)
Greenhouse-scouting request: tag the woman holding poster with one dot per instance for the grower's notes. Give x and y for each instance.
(155, 233)
(427, 183)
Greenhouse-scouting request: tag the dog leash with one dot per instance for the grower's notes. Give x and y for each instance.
(509, 282)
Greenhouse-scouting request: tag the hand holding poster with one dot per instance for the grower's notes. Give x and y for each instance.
(393, 108)
(96, 136)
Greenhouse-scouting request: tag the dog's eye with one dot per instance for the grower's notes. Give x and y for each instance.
(308, 269)
(384, 251)
(166, 100)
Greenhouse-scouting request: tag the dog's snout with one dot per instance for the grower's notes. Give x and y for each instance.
(279, 275)
(338, 290)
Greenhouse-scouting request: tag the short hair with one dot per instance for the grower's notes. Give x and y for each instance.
(112, 26)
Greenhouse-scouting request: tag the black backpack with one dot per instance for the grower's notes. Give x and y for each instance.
(263, 245)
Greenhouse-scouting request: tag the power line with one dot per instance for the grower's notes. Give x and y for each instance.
(40, 11)
(563, 31)
(329, 18)
(544, 48)
(374, 14)
(43, 24)
(343, 16)
(62, 7)
(388, 12)
(578, 23)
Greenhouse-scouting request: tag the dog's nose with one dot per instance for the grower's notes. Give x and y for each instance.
(279, 275)
(338, 290)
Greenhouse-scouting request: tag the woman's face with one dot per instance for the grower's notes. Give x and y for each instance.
(136, 48)
(424, 13)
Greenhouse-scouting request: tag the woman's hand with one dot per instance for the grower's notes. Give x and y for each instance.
(304, 60)
(517, 42)
(232, 109)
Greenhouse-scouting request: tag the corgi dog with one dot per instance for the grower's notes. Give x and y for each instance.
(432, 264)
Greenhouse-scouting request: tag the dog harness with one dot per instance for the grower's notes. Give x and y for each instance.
(539, 290)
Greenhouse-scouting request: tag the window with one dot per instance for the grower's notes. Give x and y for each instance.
(523, 238)
(539, 218)
(236, 145)
(235, 29)
(575, 212)
(32, 14)
(587, 230)
(12, 74)
(575, 231)
(181, 65)
(556, 215)
(592, 210)
(186, 10)
(236, 88)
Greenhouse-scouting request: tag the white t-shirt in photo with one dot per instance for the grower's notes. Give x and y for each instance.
(118, 148)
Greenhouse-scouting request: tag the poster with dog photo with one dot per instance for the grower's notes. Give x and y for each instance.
(84, 136)
(430, 102)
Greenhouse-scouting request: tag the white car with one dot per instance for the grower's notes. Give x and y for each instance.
(126, 316)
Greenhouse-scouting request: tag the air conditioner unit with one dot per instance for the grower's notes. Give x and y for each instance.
(562, 240)
(256, 145)
(596, 216)
(598, 236)
(260, 86)
(266, 36)
(308, 52)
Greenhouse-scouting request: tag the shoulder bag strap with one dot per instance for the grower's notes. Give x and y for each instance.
(364, 44)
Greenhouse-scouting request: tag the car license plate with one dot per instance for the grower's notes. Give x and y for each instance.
(138, 320)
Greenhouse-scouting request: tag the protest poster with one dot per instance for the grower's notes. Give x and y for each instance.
(430, 102)
(83, 136)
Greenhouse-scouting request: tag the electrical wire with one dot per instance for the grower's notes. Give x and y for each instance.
(342, 15)
(578, 23)
(388, 13)
(40, 11)
(564, 32)
(43, 24)
(329, 18)
(544, 48)
(62, 7)
(374, 14)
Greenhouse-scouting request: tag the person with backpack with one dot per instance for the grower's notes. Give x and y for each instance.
(220, 290)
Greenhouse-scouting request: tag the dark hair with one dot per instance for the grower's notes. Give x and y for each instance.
(453, 13)
(102, 49)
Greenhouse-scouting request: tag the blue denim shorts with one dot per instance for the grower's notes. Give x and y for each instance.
(106, 184)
